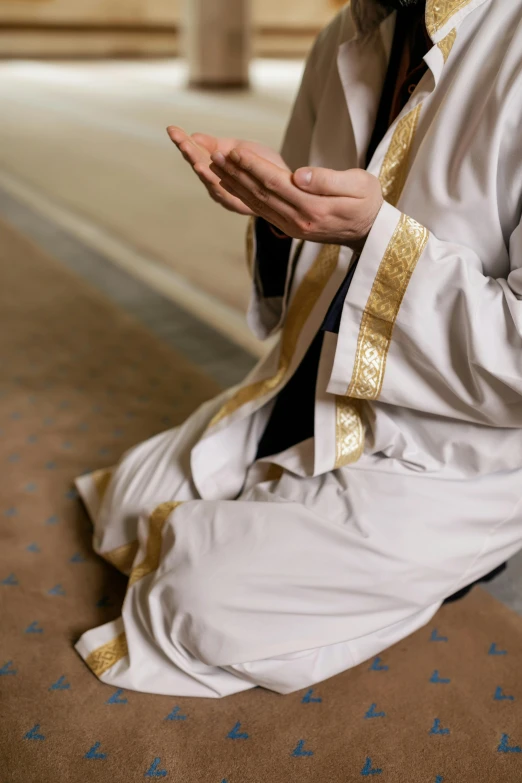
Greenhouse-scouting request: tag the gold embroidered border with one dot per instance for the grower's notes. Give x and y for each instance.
(439, 12)
(101, 480)
(301, 306)
(105, 657)
(123, 557)
(374, 338)
(446, 45)
(349, 432)
(395, 165)
(153, 552)
(389, 287)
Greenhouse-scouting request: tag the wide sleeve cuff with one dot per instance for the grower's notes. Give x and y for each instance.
(271, 261)
(391, 253)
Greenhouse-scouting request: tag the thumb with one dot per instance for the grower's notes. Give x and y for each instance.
(328, 182)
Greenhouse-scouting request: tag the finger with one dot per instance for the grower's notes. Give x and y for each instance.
(199, 163)
(212, 144)
(206, 176)
(177, 135)
(260, 209)
(258, 193)
(328, 182)
(228, 200)
(257, 199)
(202, 170)
(234, 193)
(192, 153)
(188, 147)
(209, 143)
(269, 176)
(218, 193)
(195, 150)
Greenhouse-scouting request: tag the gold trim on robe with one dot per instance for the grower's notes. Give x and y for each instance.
(123, 557)
(391, 283)
(378, 321)
(106, 656)
(349, 431)
(446, 45)
(394, 169)
(153, 552)
(369, 15)
(299, 311)
(439, 13)
(101, 480)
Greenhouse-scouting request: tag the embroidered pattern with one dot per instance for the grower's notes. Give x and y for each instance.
(446, 45)
(302, 304)
(123, 557)
(395, 165)
(439, 12)
(106, 656)
(391, 282)
(153, 553)
(349, 432)
(378, 321)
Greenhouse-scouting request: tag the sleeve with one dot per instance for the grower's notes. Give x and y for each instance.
(272, 261)
(273, 249)
(273, 258)
(424, 328)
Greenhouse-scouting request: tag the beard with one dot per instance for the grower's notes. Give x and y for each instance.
(396, 5)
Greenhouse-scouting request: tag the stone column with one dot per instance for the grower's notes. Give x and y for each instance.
(217, 39)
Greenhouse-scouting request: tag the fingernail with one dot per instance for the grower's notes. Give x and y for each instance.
(234, 156)
(219, 159)
(304, 177)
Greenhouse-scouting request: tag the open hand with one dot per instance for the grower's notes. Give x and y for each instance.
(197, 150)
(318, 205)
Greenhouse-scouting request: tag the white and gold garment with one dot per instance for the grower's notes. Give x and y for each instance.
(286, 571)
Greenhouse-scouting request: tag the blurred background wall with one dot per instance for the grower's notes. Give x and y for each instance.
(87, 88)
(99, 28)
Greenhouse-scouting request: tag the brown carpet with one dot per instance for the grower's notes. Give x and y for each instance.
(80, 382)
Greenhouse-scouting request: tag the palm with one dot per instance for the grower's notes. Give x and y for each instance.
(198, 148)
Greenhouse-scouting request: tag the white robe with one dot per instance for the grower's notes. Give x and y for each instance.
(284, 572)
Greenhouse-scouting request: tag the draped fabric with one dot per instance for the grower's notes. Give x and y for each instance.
(288, 424)
(283, 571)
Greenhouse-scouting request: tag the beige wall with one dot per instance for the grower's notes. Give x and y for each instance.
(298, 13)
(89, 11)
(265, 12)
(270, 17)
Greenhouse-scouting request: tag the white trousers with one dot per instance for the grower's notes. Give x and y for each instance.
(293, 582)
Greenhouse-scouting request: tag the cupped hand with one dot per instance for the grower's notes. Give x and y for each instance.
(314, 204)
(197, 150)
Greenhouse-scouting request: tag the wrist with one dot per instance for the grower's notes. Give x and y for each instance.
(358, 243)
